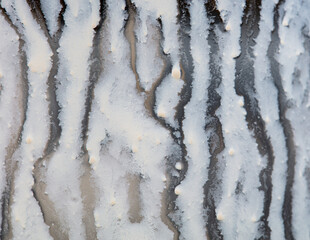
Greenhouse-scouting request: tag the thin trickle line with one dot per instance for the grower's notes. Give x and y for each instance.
(287, 128)
(6, 199)
(130, 36)
(245, 86)
(216, 141)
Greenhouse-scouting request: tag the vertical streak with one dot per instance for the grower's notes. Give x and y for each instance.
(130, 36)
(191, 194)
(268, 103)
(10, 113)
(293, 27)
(245, 86)
(47, 207)
(110, 210)
(121, 149)
(197, 127)
(149, 52)
(51, 10)
(241, 205)
(64, 168)
(170, 90)
(213, 125)
(287, 128)
(25, 209)
(96, 69)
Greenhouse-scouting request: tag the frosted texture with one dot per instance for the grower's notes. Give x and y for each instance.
(155, 119)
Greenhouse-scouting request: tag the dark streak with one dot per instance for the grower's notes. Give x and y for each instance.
(35, 7)
(95, 71)
(151, 98)
(287, 128)
(169, 195)
(96, 68)
(38, 200)
(213, 125)
(245, 86)
(61, 20)
(5, 213)
(54, 108)
(6, 198)
(131, 38)
(187, 65)
(185, 95)
(24, 69)
(102, 13)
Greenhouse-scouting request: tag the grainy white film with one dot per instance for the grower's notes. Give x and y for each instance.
(154, 119)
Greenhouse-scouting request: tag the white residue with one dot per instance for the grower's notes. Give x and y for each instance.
(241, 172)
(133, 161)
(267, 97)
(64, 168)
(167, 99)
(167, 11)
(191, 190)
(295, 73)
(10, 82)
(149, 63)
(51, 11)
(124, 141)
(27, 219)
